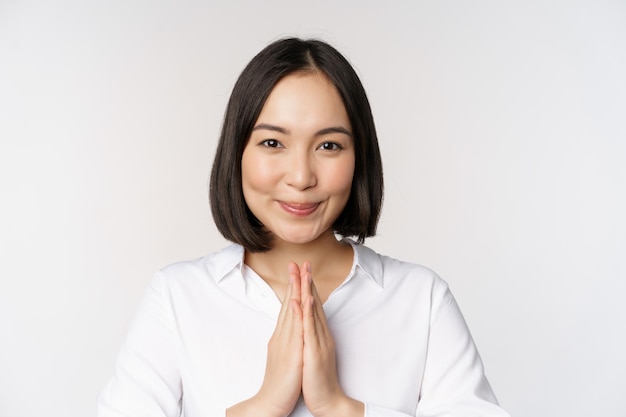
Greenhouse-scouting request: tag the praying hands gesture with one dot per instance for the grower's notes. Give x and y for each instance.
(300, 359)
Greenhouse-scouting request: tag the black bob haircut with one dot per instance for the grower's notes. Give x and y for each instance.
(230, 212)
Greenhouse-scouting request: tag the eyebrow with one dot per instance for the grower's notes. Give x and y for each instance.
(325, 131)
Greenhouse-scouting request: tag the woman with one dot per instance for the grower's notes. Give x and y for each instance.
(291, 320)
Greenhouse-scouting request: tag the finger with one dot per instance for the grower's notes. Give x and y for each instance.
(293, 301)
(293, 290)
(321, 324)
(305, 278)
(296, 311)
(311, 327)
(295, 278)
(318, 305)
(293, 335)
(319, 317)
(311, 338)
(285, 305)
(307, 288)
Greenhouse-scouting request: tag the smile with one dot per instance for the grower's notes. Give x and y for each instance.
(299, 209)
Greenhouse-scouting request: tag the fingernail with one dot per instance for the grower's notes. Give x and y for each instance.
(308, 266)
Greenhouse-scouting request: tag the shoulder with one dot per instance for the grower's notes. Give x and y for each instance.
(396, 274)
(209, 268)
(392, 269)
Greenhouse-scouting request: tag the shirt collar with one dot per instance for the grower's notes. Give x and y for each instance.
(226, 260)
(231, 257)
(367, 261)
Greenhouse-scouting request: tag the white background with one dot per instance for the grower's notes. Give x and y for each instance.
(503, 132)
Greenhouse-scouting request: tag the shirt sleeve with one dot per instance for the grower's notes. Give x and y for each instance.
(376, 411)
(146, 380)
(454, 382)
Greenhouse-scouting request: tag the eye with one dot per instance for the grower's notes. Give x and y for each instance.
(271, 143)
(330, 146)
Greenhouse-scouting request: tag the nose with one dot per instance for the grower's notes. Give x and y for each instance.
(301, 171)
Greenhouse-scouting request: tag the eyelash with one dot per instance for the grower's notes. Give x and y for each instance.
(273, 143)
(334, 146)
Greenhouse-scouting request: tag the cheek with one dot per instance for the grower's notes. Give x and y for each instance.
(341, 177)
(256, 174)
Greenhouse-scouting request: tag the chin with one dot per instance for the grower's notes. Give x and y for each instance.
(298, 240)
(298, 237)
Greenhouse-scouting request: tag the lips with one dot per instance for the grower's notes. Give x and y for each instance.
(299, 209)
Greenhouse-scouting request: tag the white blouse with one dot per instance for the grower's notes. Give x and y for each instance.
(198, 342)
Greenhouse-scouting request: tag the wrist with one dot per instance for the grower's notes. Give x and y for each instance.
(343, 406)
(256, 406)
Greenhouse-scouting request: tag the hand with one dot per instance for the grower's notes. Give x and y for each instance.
(300, 359)
(320, 385)
(282, 383)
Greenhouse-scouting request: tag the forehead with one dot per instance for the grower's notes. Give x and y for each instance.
(305, 100)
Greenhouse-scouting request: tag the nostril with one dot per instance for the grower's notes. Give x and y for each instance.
(301, 174)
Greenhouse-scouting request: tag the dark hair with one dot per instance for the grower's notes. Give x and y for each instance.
(230, 212)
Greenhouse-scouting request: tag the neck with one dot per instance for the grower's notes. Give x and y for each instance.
(326, 254)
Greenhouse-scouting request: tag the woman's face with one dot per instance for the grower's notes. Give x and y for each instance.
(298, 164)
